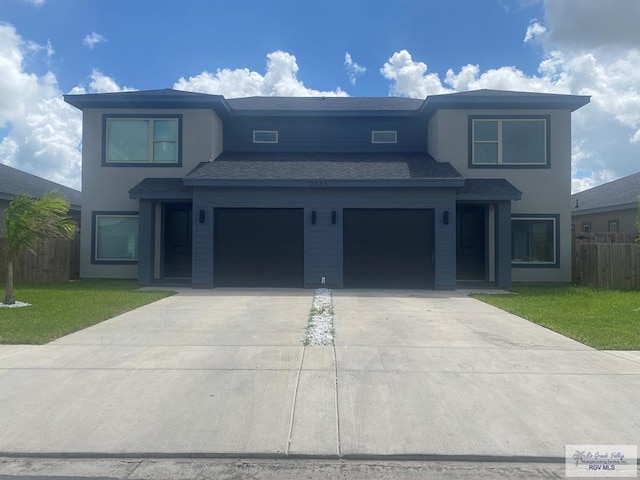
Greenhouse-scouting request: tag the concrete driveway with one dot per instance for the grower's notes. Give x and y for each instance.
(224, 372)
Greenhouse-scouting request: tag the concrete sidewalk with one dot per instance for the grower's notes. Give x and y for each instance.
(224, 372)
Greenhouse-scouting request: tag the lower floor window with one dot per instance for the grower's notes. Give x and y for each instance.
(534, 240)
(116, 237)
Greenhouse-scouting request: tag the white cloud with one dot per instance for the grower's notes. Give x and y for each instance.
(593, 24)
(606, 133)
(586, 49)
(280, 79)
(93, 39)
(35, 2)
(535, 32)
(352, 68)
(44, 132)
(410, 78)
(589, 48)
(101, 83)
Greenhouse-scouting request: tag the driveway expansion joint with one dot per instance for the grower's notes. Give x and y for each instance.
(293, 404)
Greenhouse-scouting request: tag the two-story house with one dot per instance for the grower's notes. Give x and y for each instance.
(341, 192)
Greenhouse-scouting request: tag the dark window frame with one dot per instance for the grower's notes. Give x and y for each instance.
(547, 147)
(94, 236)
(147, 116)
(556, 238)
(388, 142)
(272, 142)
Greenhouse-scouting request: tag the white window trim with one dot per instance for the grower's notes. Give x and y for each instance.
(555, 246)
(150, 141)
(499, 140)
(374, 132)
(96, 237)
(265, 141)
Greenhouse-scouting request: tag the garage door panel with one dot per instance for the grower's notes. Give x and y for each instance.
(388, 248)
(258, 247)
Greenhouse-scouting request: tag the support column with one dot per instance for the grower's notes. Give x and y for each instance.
(145, 242)
(503, 244)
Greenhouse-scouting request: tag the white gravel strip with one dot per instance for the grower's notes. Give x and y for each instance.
(15, 305)
(321, 322)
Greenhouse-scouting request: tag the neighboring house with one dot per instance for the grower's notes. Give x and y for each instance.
(611, 207)
(16, 182)
(341, 192)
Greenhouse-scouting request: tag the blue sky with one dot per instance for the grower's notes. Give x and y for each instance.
(150, 44)
(357, 48)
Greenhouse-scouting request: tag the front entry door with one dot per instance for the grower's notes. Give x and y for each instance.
(470, 242)
(177, 240)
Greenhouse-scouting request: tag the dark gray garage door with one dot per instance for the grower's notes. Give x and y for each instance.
(388, 248)
(258, 247)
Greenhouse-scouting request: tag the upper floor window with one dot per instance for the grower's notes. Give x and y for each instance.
(265, 136)
(586, 227)
(150, 139)
(509, 141)
(613, 226)
(384, 136)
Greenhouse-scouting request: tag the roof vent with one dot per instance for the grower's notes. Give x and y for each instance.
(577, 206)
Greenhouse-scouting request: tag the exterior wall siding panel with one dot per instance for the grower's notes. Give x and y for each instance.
(323, 241)
(327, 134)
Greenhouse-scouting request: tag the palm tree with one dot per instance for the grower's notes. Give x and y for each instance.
(28, 219)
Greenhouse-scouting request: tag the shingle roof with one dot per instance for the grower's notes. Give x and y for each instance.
(325, 103)
(168, 98)
(323, 166)
(488, 188)
(623, 191)
(160, 188)
(16, 182)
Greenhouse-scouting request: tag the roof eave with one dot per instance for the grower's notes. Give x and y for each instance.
(326, 113)
(160, 195)
(432, 182)
(85, 101)
(466, 197)
(607, 208)
(486, 102)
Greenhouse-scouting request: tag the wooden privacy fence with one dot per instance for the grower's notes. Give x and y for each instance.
(56, 260)
(612, 261)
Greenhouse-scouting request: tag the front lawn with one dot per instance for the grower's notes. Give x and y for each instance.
(60, 309)
(603, 319)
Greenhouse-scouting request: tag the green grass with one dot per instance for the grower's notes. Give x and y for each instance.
(603, 319)
(60, 309)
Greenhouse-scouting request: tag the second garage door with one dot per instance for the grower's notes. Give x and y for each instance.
(258, 247)
(388, 248)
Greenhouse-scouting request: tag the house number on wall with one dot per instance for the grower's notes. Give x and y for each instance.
(319, 183)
